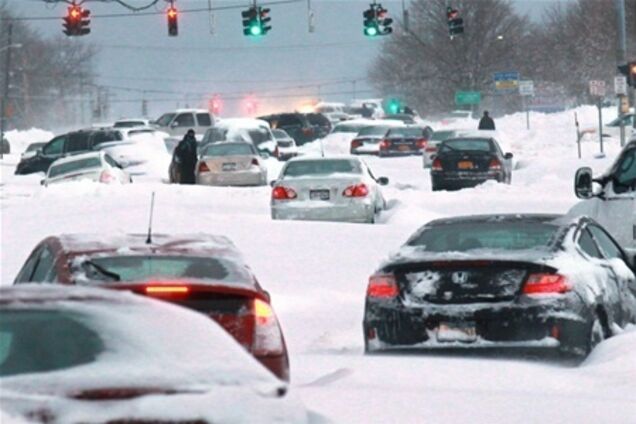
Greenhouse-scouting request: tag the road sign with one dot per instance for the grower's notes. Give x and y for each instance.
(467, 97)
(597, 88)
(620, 85)
(526, 88)
(506, 80)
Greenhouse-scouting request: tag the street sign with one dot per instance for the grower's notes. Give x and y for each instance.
(506, 80)
(526, 88)
(467, 97)
(620, 85)
(597, 88)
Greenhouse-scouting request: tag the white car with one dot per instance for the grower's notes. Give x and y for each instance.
(285, 145)
(137, 146)
(255, 131)
(231, 164)
(367, 141)
(132, 122)
(93, 166)
(177, 123)
(338, 188)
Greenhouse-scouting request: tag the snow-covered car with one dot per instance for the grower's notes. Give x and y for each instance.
(255, 131)
(285, 145)
(80, 355)
(202, 272)
(328, 189)
(132, 123)
(231, 164)
(178, 122)
(367, 141)
(32, 150)
(92, 166)
(408, 140)
(614, 203)
(544, 281)
(137, 146)
(431, 147)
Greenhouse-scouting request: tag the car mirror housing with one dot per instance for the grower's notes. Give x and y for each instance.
(272, 183)
(174, 124)
(383, 181)
(583, 181)
(508, 155)
(264, 155)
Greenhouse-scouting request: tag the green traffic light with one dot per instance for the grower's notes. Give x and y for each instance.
(256, 30)
(371, 31)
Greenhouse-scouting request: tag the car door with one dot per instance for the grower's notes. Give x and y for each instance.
(52, 151)
(116, 169)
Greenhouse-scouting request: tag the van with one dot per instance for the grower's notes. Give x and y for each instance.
(177, 123)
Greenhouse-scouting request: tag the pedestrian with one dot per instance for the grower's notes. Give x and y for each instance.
(486, 122)
(186, 158)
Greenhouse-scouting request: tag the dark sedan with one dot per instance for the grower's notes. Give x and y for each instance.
(528, 281)
(469, 161)
(401, 141)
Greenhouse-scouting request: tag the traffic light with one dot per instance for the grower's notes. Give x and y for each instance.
(215, 105)
(376, 21)
(370, 22)
(393, 106)
(455, 22)
(264, 18)
(629, 70)
(384, 22)
(255, 21)
(173, 23)
(76, 21)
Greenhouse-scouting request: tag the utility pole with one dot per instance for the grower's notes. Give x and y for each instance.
(621, 53)
(5, 92)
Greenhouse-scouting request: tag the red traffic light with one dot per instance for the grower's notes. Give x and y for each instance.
(173, 26)
(452, 13)
(172, 13)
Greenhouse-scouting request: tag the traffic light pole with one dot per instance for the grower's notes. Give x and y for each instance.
(5, 91)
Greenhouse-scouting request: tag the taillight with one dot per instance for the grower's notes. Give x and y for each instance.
(268, 339)
(382, 287)
(357, 190)
(203, 167)
(355, 144)
(107, 177)
(308, 131)
(494, 165)
(283, 193)
(422, 143)
(431, 148)
(166, 290)
(276, 152)
(437, 165)
(543, 283)
(255, 162)
(384, 144)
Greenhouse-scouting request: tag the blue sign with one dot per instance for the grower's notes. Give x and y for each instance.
(506, 80)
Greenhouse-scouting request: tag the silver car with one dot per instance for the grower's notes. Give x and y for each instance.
(231, 164)
(327, 189)
(431, 146)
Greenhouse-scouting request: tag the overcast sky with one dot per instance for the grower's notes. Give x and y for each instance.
(136, 53)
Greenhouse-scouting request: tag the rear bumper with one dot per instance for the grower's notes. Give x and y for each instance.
(396, 153)
(239, 178)
(278, 365)
(464, 179)
(355, 211)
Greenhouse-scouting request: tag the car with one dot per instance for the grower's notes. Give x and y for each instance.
(231, 164)
(5, 146)
(255, 131)
(354, 126)
(407, 140)
(138, 146)
(322, 123)
(502, 281)
(339, 188)
(613, 203)
(367, 141)
(297, 125)
(431, 147)
(32, 150)
(404, 117)
(202, 272)
(469, 161)
(98, 167)
(64, 145)
(132, 123)
(85, 354)
(178, 122)
(285, 145)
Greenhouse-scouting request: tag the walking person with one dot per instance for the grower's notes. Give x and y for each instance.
(486, 122)
(186, 156)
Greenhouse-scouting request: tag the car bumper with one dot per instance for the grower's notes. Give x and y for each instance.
(246, 178)
(398, 153)
(323, 211)
(278, 365)
(464, 179)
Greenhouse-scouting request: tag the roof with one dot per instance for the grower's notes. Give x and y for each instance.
(496, 218)
(246, 123)
(329, 157)
(191, 110)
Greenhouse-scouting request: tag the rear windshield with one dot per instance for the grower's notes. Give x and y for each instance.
(259, 135)
(442, 135)
(318, 119)
(374, 130)
(461, 237)
(348, 128)
(35, 341)
(467, 145)
(129, 124)
(141, 268)
(322, 167)
(75, 166)
(405, 132)
(229, 149)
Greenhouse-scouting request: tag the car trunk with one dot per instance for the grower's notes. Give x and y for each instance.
(466, 161)
(231, 163)
(326, 189)
(92, 174)
(403, 144)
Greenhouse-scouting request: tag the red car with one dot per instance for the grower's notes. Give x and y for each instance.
(201, 272)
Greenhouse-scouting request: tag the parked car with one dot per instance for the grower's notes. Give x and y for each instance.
(5, 146)
(177, 123)
(138, 146)
(531, 281)
(297, 125)
(407, 140)
(322, 124)
(613, 203)
(231, 164)
(367, 141)
(329, 189)
(98, 167)
(66, 144)
(84, 354)
(431, 147)
(255, 131)
(201, 272)
(285, 145)
(132, 123)
(353, 126)
(32, 150)
(469, 161)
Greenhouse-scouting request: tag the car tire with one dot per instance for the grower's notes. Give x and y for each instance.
(596, 335)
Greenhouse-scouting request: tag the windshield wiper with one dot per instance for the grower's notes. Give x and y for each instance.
(100, 269)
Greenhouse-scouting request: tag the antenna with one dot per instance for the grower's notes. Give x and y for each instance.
(152, 208)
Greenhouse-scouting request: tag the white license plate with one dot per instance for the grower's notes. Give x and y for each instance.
(229, 166)
(456, 332)
(319, 194)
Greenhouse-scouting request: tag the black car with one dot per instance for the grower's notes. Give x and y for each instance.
(502, 281)
(409, 140)
(321, 124)
(64, 145)
(468, 161)
(297, 125)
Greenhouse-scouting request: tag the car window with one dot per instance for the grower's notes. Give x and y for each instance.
(259, 135)
(626, 172)
(185, 120)
(129, 124)
(289, 121)
(100, 137)
(204, 119)
(43, 265)
(607, 245)
(280, 134)
(322, 167)
(347, 128)
(587, 244)
(408, 132)
(55, 146)
(24, 276)
(77, 142)
(442, 135)
(318, 119)
(373, 131)
(112, 162)
(165, 119)
(74, 166)
(466, 145)
(228, 149)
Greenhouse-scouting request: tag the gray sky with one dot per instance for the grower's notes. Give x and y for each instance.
(136, 53)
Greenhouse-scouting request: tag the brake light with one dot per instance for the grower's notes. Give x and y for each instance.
(203, 167)
(106, 177)
(422, 143)
(159, 290)
(268, 339)
(431, 148)
(283, 193)
(543, 283)
(355, 144)
(494, 165)
(384, 144)
(255, 162)
(382, 287)
(276, 152)
(437, 165)
(358, 190)
(308, 131)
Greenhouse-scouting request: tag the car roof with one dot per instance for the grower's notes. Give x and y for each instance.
(190, 110)
(246, 123)
(479, 219)
(79, 156)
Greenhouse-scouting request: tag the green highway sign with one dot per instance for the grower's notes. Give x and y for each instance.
(467, 97)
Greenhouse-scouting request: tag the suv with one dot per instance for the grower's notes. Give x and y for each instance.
(297, 125)
(177, 123)
(64, 145)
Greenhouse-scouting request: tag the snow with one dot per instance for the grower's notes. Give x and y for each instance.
(317, 274)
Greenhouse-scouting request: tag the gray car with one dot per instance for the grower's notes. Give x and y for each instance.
(231, 164)
(327, 189)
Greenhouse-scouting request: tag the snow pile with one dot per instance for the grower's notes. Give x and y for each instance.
(20, 140)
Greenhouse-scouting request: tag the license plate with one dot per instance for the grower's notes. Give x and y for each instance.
(319, 194)
(456, 332)
(229, 166)
(465, 164)
(404, 148)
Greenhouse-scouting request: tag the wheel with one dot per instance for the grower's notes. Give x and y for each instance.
(597, 334)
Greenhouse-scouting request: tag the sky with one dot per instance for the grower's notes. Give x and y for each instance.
(285, 69)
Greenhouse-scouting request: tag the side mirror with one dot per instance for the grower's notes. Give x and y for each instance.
(264, 154)
(42, 182)
(508, 155)
(174, 124)
(272, 183)
(383, 181)
(583, 183)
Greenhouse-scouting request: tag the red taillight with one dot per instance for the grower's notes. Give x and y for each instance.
(384, 144)
(203, 167)
(107, 177)
(422, 143)
(355, 144)
(382, 287)
(255, 162)
(358, 190)
(542, 283)
(276, 152)
(283, 193)
(494, 165)
(430, 149)
(437, 165)
(166, 290)
(308, 131)
(268, 339)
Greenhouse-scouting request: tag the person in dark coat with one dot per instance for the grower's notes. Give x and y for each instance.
(486, 122)
(186, 158)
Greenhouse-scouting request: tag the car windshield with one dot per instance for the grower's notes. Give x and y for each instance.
(280, 134)
(259, 135)
(129, 124)
(165, 119)
(322, 167)
(38, 341)
(375, 130)
(464, 236)
(406, 132)
(74, 166)
(34, 146)
(442, 135)
(229, 149)
(468, 145)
